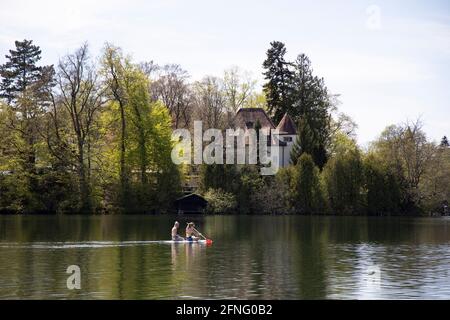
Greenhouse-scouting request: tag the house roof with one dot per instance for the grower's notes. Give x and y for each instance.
(246, 118)
(193, 197)
(287, 125)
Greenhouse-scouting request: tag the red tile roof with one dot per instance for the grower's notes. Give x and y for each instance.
(287, 125)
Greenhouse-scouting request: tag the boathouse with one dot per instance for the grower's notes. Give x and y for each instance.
(191, 203)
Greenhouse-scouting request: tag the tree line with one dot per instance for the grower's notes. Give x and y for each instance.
(80, 137)
(93, 134)
(401, 173)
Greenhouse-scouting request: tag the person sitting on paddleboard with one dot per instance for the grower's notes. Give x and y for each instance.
(191, 233)
(175, 236)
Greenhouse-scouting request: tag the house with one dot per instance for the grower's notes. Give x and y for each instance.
(280, 142)
(287, 132)
(281, 137)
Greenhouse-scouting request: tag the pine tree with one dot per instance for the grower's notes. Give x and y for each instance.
(24, 86)
(20, 72)
(304, 142)
(292, 88)
(278, 88)
(310, 108)
(307, 142)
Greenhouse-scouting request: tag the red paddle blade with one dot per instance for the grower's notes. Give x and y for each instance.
(209, 241)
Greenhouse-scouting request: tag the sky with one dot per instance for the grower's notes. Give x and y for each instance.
(388, 60)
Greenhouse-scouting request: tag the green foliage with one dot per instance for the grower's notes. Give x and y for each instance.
(307, 143)
(219, 176)
(148, 179)
(408, 155)
(343, 181)
(15, 196)
(382, 189)
(292, 88)
(100, 141)
(278, 88)
(220, 201)
(99, 146)
(241, 181)
(271, 196)
(250, 183)
(435, 185)
(284, 181)
(307, 192)
(20, 73)
(24, 86)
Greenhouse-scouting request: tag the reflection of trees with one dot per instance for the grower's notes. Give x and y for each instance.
(188, 262)
(252, 257)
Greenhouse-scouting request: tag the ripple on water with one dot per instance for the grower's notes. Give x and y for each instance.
(405, 271)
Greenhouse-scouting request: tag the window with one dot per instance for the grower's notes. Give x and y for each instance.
(287, 139)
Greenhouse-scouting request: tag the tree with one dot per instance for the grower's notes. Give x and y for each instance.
(210, 102)
(173, 90)
(306, 143)
(279, 85)
(383, 195)
(218, 176)
(407, 153)
(139, 115)
(306, 186)
(21, 72)
(340, 124)
(343, 180)
(220, 201)
(257, 100)
(311, 109)
(292, 88)
(81, 98)
(271, 197)
(284, 182)
(434, 188)
(238, 88)
(115, 73)
(250, 182)
(165, 182)
(139, 138)
(24, 86)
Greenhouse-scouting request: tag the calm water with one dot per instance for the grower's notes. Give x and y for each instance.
(262, 257)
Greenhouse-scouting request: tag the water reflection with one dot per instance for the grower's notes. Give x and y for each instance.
(253, 257)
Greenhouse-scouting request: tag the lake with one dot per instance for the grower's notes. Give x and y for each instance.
(252, 257)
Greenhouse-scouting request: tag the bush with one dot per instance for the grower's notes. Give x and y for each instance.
(220, 201)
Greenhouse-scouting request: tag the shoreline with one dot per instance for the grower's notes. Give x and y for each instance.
(225, 215)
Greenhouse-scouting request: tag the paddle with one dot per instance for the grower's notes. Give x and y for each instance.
(208, 241)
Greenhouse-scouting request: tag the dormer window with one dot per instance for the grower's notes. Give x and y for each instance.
(249, 124)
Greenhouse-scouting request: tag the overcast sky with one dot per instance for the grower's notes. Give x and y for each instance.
(389, 60)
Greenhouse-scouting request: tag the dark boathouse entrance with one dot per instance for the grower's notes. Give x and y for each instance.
(191, 203)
